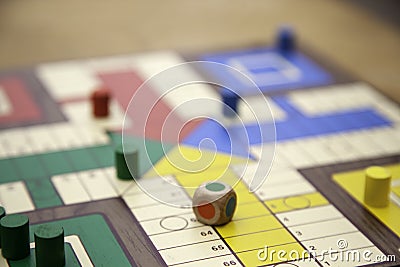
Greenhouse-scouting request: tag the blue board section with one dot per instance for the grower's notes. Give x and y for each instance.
(296, 125)
(306, 127)
(269, 69)
(225, 142)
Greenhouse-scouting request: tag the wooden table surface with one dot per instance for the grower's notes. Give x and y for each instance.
(47, 30)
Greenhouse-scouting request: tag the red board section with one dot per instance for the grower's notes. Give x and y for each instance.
(24, 108)
(147, 112)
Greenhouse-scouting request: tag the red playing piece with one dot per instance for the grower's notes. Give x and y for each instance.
(100, 99)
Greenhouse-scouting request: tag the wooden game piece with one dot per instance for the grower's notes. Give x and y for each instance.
(100, 99)
(123, 155)
(49, 246)
(286, 39)
(14, 230)
(377, 186)
(2, 214)
(230, 100)
(214, 203)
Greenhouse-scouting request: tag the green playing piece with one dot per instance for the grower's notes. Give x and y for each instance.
(124, 157)
(2, 214)
(49, 246)
(14, 230)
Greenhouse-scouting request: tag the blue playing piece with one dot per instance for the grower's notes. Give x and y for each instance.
(230, 99)
(286, 39)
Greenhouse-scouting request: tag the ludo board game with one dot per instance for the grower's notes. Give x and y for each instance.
(295, 147)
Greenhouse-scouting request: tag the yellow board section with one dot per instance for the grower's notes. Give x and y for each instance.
(296, 202)
(276, 254)
(247, 226)
(189, 180)
(354, 183)
(260, 240)
(249, 210)
(188, 160)
(244, 196)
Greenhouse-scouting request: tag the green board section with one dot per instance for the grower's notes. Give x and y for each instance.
(55, 163)
(37, 170)
(81, 159)
(104, 155)
(8, 172)
(96, 237)
(43, 193)
(29, 167)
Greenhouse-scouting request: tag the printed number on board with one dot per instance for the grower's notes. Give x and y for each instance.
(229, 263)
(219, 247)
(204, 233)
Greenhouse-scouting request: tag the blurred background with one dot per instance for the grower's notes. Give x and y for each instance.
(361, 36)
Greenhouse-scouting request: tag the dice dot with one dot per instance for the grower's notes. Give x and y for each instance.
(207, 211)
(230, 207)
(215, 187)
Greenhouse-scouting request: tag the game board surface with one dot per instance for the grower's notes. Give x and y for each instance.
(57, 161)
